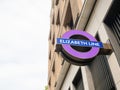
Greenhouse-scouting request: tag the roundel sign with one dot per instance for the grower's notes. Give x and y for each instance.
(79, 47)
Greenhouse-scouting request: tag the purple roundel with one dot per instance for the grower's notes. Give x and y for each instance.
(78, 54)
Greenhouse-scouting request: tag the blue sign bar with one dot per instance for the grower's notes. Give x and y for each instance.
(76, 42)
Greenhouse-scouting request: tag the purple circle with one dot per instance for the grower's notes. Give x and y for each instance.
(77, 54)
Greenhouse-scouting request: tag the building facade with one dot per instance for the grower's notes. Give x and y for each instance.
(101, 19)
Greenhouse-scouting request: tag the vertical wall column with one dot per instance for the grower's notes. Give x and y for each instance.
(87, 78)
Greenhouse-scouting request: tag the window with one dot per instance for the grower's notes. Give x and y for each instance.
(50, 55)
(68, 21)
(78, 82)
(69, 88)
(112, 23)
(53, 40)
(50, 36)
(57, 1)
(58, 19)
(49, 83)
(53, 21)
(101, 74)
(53, 68)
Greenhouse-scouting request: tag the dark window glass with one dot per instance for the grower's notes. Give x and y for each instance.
(101, 74)
(112, 22)
(78, 82)
(68, 21)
